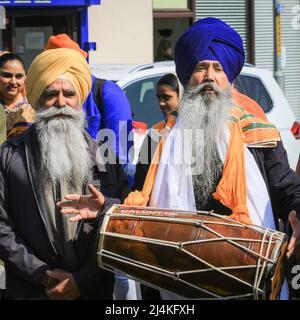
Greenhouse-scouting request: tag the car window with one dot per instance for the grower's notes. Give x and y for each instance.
(255, 89)
(144, 104)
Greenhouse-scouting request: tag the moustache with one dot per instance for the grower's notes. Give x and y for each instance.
(201, 88)
(53, 112)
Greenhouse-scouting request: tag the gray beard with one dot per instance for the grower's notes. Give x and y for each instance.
(208, 113)
(64, 150)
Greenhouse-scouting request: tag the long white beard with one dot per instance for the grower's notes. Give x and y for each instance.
(64, 150)
(206, 112)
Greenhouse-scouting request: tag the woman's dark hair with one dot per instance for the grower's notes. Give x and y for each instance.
(10, 57)
(170, 80)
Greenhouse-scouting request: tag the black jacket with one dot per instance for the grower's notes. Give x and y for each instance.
(24, 243)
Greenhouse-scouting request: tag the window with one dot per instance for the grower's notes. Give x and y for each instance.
(254, 88)
(170, 19)
(143, 101)
(170, 4)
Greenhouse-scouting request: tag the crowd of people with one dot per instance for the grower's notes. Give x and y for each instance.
(56, 184)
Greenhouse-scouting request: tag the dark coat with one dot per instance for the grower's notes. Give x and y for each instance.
(25, 246)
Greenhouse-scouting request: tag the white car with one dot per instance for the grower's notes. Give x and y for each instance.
(139, 82)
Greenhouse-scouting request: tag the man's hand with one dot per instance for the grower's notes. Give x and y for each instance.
(85, 207)
(65, 289)
(295, 238)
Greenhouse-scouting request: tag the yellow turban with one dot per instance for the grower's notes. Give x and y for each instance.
(50, 65)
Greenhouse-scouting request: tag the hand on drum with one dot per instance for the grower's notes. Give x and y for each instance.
(84, 207)
(295, 238)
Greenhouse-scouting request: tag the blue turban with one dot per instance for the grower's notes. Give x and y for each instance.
(209, 39)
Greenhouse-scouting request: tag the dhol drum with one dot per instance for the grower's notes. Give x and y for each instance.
(196, 256)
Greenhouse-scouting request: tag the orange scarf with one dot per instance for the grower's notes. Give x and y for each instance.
(245, 129)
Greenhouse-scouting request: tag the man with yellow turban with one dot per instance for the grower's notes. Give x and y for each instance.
(46, 256)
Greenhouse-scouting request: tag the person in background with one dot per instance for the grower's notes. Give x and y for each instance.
(168, 94)
(18, 114)
(106, 106)
(164, 51)
(46, 256)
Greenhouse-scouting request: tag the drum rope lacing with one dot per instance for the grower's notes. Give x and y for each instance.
(260, 266)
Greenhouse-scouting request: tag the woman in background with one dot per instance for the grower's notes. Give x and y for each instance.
(16, 115)
(19, 115)
(168, 95)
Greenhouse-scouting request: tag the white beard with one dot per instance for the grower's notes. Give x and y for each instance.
(64, 150)
(208, 112)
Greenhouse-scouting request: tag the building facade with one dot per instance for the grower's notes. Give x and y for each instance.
(131, 31)
(29, 23)
(122, 30)
(254, 20)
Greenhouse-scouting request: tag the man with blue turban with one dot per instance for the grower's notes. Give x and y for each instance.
(209, 39)
(215, 41)
(240, 166)
(218, 157)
